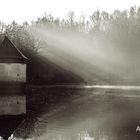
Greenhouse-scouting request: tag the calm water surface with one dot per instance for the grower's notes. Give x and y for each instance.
(82, 114)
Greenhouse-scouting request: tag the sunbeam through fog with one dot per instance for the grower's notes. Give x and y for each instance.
(80, 54)
(84, 55)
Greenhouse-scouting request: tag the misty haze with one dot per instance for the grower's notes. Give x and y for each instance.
(80, 76)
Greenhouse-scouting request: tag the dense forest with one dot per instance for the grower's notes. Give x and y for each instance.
(115, 34)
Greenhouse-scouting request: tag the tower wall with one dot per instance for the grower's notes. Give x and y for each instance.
(12, 72)
(12, 88)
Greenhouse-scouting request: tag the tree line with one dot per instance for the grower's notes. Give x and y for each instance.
(118, 26)
(121, 28)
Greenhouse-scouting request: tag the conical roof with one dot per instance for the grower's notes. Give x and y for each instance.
(9, 52)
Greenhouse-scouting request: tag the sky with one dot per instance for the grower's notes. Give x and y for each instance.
(28, 10)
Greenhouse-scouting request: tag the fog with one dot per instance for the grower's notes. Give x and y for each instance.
(87, 56)
(91, 58)
(81, 54)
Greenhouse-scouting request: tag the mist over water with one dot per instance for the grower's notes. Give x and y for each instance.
(103, 52)
(86, 56)
(94, 112)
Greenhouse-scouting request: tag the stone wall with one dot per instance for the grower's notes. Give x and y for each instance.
(15, 72)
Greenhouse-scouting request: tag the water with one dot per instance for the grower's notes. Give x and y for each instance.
(59, 113)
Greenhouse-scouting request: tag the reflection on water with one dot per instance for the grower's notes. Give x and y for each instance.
(81, 114)
(79, 136)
